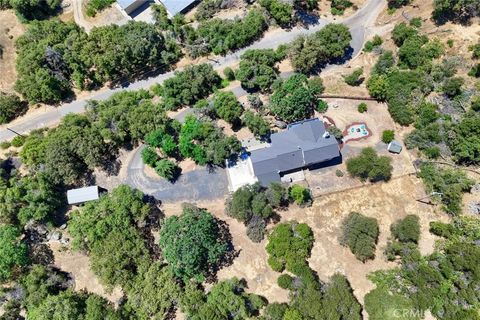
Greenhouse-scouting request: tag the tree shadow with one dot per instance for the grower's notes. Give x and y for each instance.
(332, 162)
(337, 61)
(40, 253)
(307, 19)
(230, 255)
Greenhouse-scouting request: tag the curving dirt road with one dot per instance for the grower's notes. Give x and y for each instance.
(359, 23)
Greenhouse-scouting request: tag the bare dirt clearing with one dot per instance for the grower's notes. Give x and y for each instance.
(78, 265)
(386, 201)
(10, 30)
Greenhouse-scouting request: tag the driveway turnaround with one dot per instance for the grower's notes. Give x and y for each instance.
(197, 185)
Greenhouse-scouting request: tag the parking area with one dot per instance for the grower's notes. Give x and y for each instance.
(240, 173)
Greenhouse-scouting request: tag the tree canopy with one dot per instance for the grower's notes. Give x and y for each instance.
(360, 234)
(330, 43)
(289, 244)
(295, 98)
(368, 165)
(10, 107)
(188, 86)
(257, 70)
(192, 243)
(13, 252)
(53, 55)
(108, 230)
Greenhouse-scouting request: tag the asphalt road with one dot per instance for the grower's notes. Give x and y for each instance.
(357, 23)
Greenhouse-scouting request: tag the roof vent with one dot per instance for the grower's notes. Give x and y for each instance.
(326, 134)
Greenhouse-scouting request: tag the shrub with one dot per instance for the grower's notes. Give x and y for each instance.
(407, 229)
(5, 145)
(362, 107)
(354, 79)
(475, 50)
(336, 132)
(450, 183)
(450, 43)
(360, 234)
(322, 106)
(368, 165)
(256, 229)
(338, 7)
(432, 152)
(339, 173)
(18, 141)
(166, 169)
(388, 136)
(416, 22)
(94, 6)
(229, 74)
(10, 107)
(285, 281)
(374, 43)
(475, 103)
(300, 195)
(277, 195)
(475, 71)
(149, 156)
(453, 86)
(289, 244)
(381, 304)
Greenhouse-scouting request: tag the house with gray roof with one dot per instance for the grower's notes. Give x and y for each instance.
(173, 6)
(303, 144)
(179, 6)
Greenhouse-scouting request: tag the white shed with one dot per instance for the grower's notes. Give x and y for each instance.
(81, 195)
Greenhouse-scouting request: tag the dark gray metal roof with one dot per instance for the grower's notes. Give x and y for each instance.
(178, 6)
(82, 194)
(124, 4)
(303, 143)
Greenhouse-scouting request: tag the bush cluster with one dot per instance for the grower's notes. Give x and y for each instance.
(368, 165)
(254, 205)
(360, 234)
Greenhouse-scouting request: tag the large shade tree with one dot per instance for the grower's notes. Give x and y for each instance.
(192, 243)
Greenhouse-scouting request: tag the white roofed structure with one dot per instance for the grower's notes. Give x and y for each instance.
(81, 195)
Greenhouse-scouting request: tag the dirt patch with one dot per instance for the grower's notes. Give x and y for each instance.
(387, 202)
(10, 30)
(243, 133)
(78, 265)
(325, 9)
(187, 165)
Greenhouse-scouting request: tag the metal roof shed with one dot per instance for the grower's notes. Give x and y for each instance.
(394, 147)
(178, 6)
(81, 195)
(130, 5)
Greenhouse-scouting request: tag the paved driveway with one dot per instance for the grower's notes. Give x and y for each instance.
(195, 185)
